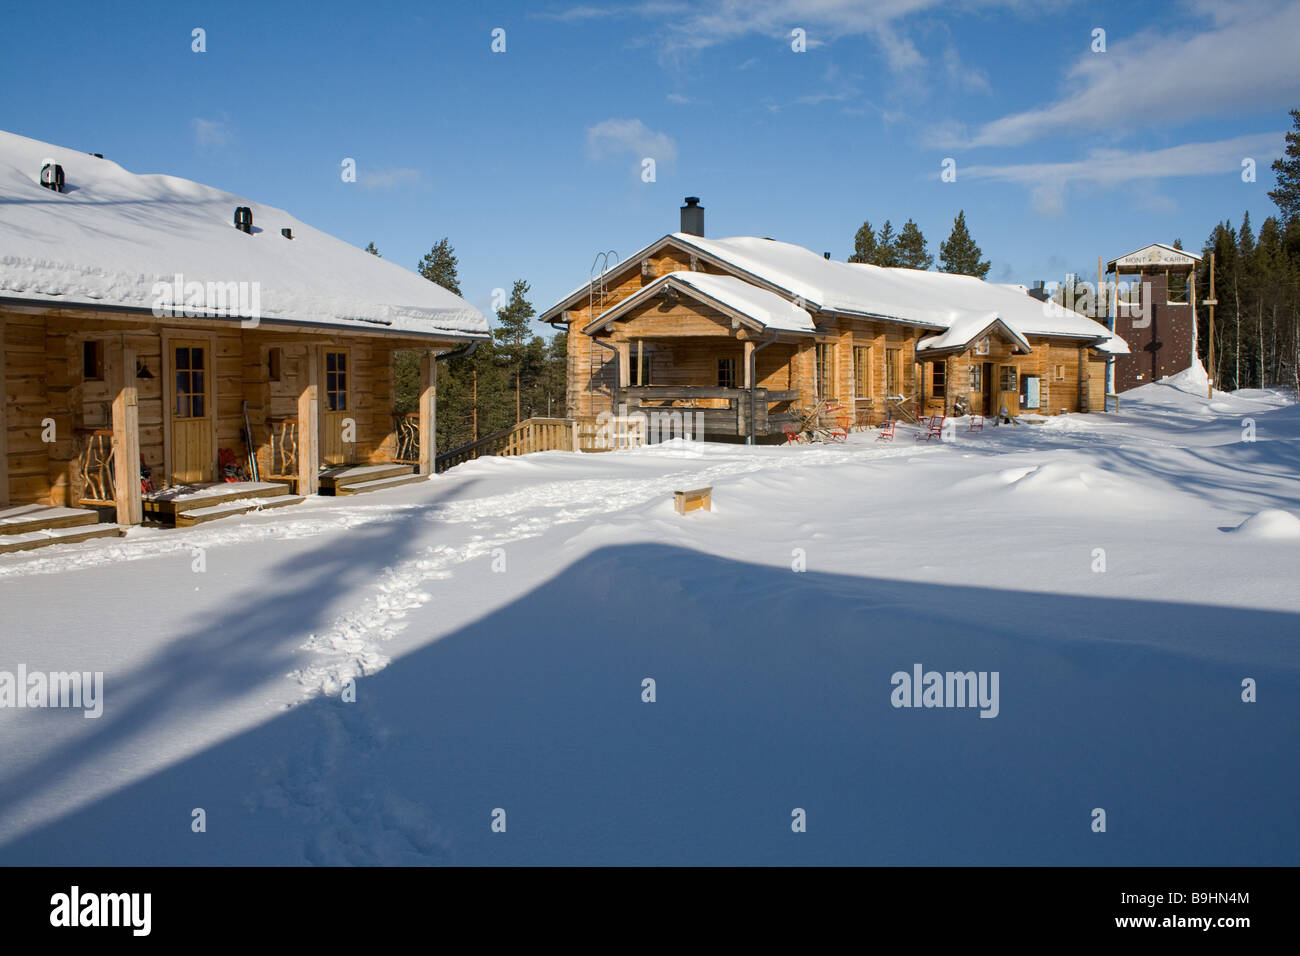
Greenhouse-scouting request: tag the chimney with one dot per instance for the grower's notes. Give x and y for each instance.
(287, 233)
(52, 176)
(244, 219)
(1038, 291)
(826, 255)
(693, 217)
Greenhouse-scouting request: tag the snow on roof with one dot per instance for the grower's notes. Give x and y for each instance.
(113, 234)
(954, 305)
(1173, 251)
(767, 308)
(966, 329)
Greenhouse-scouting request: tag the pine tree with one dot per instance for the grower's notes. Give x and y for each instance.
(439, 265)
(959, 254)
(886, 247)
(520, 350)
(370, 248)
(1287, 168)
(864, 245)
(912, 251)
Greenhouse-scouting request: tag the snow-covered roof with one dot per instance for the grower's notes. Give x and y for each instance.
(766, 308)
(1154, 253)
(957, 307)
(112, 234)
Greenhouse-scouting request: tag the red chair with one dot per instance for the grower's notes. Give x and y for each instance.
(934, 430)
(886, 431)
(793, 437)
(841, 430)
(977, 423)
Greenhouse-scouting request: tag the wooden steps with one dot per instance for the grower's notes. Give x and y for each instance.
(379, 484)
(225, 509)
(24, 527)
(338, 480)
(189, 498)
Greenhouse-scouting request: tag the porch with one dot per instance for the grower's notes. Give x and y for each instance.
(705, 412)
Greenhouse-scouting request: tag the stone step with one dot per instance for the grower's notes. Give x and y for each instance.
(379, 484)
(225, 509)
(28, 540)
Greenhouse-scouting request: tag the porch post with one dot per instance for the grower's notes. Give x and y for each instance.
(749, 363)
(4, 422)
(624, 364)
(428, 412)
(126, 436)
(309, 425)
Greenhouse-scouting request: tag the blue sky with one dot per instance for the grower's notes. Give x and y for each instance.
(530, 160)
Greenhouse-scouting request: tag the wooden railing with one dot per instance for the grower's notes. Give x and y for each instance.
(771, 408)
(284, 448)
(535, 434)
(95, 463)
(406, 431)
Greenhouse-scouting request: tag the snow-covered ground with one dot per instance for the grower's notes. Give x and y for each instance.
(501, 619)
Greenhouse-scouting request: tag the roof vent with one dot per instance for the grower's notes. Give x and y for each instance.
(693, 217)
(98, 155)
(287, 233)
(244, 219)
(52, 177)
(826, 255)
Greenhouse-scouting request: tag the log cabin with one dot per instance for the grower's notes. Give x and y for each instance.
(752, 334)
(171, 350)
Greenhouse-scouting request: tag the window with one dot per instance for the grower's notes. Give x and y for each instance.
(190, 388)
(893, 371)
(825, 369)
(976, 379)
(1060, 373)
(92, 361)
(938, 379)
(274, 359)
(861, 371)
(336, 381)
(1008, 380)
(726, 373)
(640, 364)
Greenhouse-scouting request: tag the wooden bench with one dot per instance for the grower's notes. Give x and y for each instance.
(700, 498)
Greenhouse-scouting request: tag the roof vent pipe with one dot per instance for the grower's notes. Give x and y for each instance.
(52, 177)
(826, 255)
(693, 217)
(287, 233)
(244, 219)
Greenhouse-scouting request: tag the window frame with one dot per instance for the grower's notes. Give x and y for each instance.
(726, 370)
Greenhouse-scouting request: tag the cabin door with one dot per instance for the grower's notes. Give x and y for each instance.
(987, 396)
(337, 424)
(193, 459)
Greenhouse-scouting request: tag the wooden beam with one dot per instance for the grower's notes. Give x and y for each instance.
(749, 353)
(428, 412)
(126, 437)
(309, 425)
(4, 421)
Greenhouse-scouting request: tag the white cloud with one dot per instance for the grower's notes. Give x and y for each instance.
(211, 133)
(678, 98)
(392, 178)
(1245, 61)
(962, 76)
(1049, 183)
(616, 137)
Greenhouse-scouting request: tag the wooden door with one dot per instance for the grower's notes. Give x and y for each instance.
(987, 397)
(1007, 392)
(337, 425)
(193, 459)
